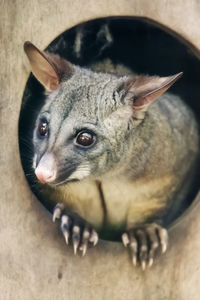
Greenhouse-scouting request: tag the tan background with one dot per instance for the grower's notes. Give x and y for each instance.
(34, 260)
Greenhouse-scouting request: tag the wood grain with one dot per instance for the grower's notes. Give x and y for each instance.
(35, 262)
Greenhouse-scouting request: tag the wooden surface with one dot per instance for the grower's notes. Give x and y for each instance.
(34, 260)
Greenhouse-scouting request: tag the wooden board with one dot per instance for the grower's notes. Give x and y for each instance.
(35, 262)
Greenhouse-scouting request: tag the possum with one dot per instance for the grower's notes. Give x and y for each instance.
(115, 154)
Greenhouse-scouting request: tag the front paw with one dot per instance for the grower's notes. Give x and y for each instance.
(75, 229)
(146, 243)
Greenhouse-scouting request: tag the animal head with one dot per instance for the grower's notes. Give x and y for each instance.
(87, 123)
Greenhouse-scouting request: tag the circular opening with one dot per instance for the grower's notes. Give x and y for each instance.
(140, 45)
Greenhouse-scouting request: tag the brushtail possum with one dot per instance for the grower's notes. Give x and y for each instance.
(114, 155)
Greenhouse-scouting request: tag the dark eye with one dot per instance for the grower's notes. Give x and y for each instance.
(85, 138)
(43, 128)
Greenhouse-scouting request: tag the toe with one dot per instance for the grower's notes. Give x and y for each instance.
(93, 237)
(153, 245)
(125, 239)
(163, 236)
(57, 211)
(133, 247)
(85, 239)
(65, 227)
(76, 237)
(143, 247)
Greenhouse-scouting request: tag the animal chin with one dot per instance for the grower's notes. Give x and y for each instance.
(63, 182)
(62, 178)
(77, 175)
(81, 172)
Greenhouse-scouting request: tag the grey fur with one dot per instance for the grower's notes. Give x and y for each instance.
(90, 100)
(77, 105)
(157, 152)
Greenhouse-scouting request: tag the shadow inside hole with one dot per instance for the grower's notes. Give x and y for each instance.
(142, 47)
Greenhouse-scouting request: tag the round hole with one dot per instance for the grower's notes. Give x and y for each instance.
(141, 45)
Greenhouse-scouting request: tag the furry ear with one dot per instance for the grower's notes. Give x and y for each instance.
(146, 89)
(49, 69)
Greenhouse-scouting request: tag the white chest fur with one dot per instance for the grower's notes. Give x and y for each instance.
(131, 203)
(127, 203)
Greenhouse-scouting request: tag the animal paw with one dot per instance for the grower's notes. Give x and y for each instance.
(146, 243)
(75, 229)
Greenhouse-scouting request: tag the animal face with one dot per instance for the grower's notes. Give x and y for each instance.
(88, 122)
(81, 129)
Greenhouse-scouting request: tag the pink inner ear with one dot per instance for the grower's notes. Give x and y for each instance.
(145, 101)
(52, 85)
(47, 68)
(152, 90)
(45, 73)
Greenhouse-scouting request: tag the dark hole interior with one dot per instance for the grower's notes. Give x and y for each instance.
(135, 43)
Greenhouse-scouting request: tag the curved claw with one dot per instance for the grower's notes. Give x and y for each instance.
(85, 239)
(83, 248)
(76, 231)
(74, 228)
(57, 212)
(143, 264)
(65, 227)
(94, 237)
(125, 239)
(163, 235)
(150, 262)
(145, 243)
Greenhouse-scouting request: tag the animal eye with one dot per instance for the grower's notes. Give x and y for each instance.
(43, 128)
(85, 138)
